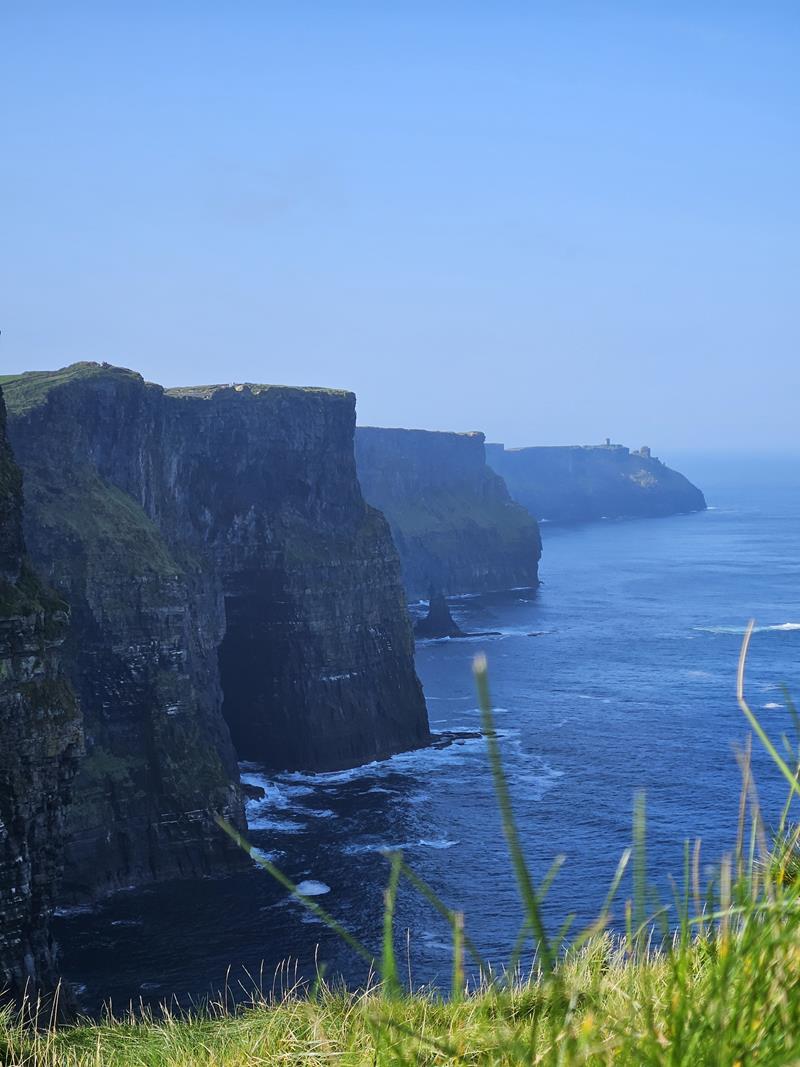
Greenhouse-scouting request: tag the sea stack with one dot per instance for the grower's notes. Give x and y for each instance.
(438, 622)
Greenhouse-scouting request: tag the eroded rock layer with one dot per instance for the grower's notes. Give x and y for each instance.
(583, 482)
(454, 523)
(40, 740)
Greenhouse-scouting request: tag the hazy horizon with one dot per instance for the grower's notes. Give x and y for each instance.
(552, 224)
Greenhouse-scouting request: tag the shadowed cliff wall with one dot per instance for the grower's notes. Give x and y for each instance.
(40, 740)
(455, 525)
(225, 573)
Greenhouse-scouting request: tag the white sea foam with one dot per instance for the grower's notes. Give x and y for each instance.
(537, 783)
(466, 638)
(271, 857)
(771, 706)
(741, 630)
(277, 826)
(278, 811)
(75, 909)
(419, 760)
(438, 843)
(311, 888)
(254, 774)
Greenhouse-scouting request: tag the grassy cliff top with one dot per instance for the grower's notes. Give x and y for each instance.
(23, 392)
(400, 430)
(608, 450)
(206, 392)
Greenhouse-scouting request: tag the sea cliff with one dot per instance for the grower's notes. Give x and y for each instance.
(579, 483)
(454, 523)
(40, 743)
(232, 596)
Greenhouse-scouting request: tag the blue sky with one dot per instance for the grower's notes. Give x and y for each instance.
(550, 221)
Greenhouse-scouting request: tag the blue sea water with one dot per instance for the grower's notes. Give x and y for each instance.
(617, 675)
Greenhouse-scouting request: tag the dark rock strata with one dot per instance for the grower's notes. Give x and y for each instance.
(455, 525)
(580, 483)
(40, 741)
(226, 579)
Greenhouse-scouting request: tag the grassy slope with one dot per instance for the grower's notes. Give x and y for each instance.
(23, 392)
(711, 1002)
(452, 511)
(107, 523)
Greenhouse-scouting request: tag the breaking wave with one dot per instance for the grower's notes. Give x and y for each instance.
(399, 846)
(311, 888)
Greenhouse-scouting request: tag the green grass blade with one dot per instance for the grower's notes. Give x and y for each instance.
(391, 980)
(524, 880)
(457, 982)
(753, 720)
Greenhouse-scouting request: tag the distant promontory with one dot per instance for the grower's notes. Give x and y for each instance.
(579, 483)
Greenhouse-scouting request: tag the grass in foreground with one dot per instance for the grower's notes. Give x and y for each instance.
(711, 978)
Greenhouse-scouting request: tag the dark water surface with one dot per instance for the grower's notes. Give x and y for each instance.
(629, 683)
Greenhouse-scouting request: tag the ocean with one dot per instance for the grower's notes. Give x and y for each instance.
(616, 675)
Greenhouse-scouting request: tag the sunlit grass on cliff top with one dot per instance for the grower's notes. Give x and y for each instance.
(708, 977)
(25, 391)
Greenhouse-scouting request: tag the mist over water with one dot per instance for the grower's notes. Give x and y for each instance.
(628, 683)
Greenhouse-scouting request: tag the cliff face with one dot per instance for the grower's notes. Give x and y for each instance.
(455, 525)
(225, 578)
(581, 483)
(141, 649)
(317, 660)
(40, 741)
